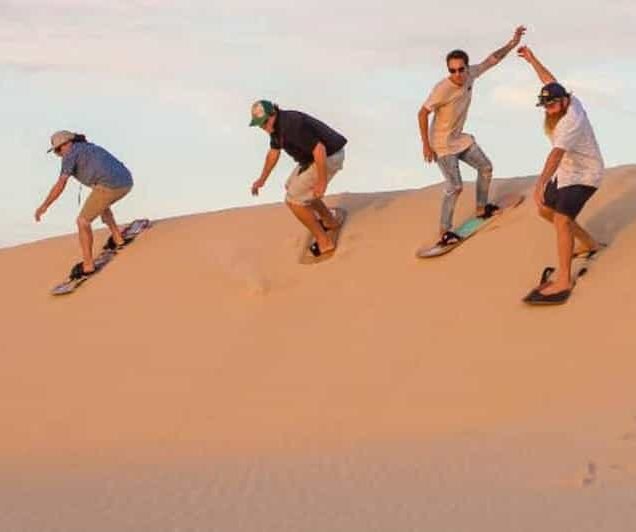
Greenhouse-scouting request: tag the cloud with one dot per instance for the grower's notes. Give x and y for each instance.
(161, 38)
(519, 96)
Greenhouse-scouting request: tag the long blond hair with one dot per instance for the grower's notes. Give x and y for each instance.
(550, 121)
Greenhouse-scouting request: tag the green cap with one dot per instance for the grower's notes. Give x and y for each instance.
(261, 111)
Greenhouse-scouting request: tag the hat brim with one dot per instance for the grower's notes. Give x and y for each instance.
(53, 148)
(258, 121)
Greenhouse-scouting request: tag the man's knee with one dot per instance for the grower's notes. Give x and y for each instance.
(107, 216)
(546, 213)
(453, 190)
(295, 205)
(562, 221)
(82, 222)
(486, 171)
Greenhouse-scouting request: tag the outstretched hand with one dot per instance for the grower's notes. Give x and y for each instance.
(525, 53)
(519, 33)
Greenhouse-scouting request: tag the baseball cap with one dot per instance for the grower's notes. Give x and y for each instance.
(261, 111)
(59, 138)
(550, 92)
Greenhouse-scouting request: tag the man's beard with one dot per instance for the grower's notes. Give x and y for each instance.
(551, 121)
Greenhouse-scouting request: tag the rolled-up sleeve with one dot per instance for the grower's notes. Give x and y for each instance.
(274, 143)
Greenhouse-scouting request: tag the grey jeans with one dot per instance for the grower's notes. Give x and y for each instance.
(449, 165)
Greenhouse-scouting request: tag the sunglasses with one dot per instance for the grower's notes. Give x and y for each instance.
(459, 70)
(550, 103)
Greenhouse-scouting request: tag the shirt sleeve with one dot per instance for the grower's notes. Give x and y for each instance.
(567, 132)
(274, 144)
(436, 98)
(69, 163)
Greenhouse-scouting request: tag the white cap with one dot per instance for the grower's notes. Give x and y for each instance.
(59, 138)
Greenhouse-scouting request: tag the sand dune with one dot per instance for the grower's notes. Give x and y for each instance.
(207, 381)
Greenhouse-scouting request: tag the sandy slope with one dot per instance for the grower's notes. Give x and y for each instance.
(206, 381)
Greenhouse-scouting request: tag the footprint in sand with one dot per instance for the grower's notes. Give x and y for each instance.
(590, 475)
(628, 436)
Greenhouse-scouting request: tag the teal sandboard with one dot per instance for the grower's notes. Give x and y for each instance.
(471, 227)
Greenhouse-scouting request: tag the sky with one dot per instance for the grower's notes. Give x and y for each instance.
(167, 88)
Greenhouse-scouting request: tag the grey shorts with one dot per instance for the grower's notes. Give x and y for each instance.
(300, 185)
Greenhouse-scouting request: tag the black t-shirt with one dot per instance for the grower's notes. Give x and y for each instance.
(298, 133)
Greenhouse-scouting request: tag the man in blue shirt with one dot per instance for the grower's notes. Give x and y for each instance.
(109, 180)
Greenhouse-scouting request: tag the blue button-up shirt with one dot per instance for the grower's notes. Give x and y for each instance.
(92, 165)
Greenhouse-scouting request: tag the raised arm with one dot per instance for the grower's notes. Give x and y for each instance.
(496, 57)
(544, 74)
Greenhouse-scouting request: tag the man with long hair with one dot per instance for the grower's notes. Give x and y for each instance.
(445, 141)
(109, 181)
(571, 174)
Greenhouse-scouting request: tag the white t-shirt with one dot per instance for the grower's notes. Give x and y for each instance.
(582, 163)
(450, 104)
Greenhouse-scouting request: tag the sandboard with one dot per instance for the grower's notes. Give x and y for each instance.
(307, 257)
(581, 265)
(131, 231)
(471, 227)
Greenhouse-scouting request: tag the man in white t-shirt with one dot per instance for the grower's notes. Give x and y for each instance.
(447, 144)
(571, 174)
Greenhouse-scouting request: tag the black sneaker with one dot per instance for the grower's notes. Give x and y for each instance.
(489, 210)
(77, 272)
(449, 238)
(111, 246)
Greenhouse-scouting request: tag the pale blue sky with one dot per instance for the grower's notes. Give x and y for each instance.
(167, 86)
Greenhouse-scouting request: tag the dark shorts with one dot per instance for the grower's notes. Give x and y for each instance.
(567, 200)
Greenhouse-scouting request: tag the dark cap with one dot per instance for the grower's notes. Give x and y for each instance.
(551, 92)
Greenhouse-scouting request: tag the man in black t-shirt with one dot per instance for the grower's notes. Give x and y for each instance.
(319, 152)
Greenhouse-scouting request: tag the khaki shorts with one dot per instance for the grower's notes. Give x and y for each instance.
(100, 199)
(300, 186)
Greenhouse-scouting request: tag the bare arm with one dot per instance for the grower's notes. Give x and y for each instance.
(320, 158)
(54, 193)
(544, 74)
(496, 57)
(422, 118)
(270, 162)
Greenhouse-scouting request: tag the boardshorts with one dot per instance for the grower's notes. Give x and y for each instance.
(100, 199)
(300, 185)
(567, 200)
